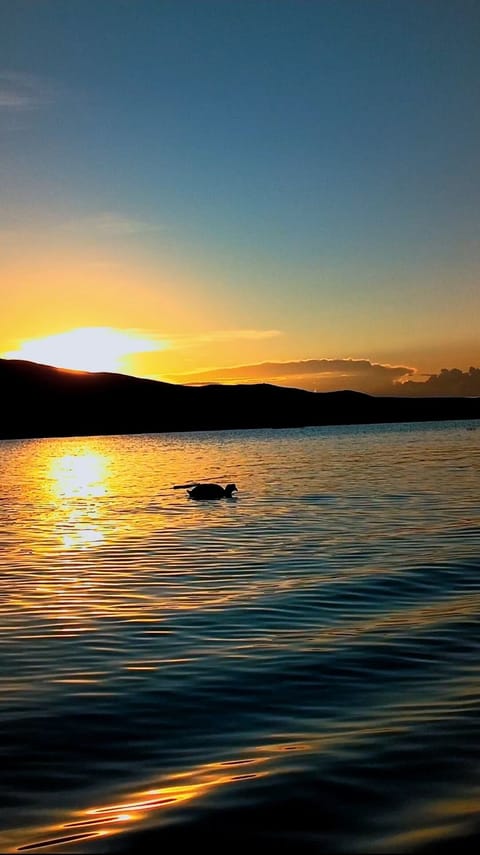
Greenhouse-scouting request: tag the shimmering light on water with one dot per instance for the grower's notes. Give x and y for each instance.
(299, 663)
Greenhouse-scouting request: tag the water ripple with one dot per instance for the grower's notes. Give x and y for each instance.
(306, 653)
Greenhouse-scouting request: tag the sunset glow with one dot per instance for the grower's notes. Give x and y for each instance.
(320, 222)
(85, 349)
(240, 425)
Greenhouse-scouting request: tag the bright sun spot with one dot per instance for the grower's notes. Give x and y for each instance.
(86, 349)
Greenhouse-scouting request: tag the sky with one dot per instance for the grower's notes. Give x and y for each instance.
(242, 190)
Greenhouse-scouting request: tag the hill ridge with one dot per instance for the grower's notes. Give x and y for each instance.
(41, 400)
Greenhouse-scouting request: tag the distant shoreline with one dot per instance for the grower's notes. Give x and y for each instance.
(230, 429)
(39, 401)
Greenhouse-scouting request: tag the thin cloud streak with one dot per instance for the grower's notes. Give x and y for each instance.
(176, 341)
(21, 92)
(112, 223)
(222, 336)
(151, 364)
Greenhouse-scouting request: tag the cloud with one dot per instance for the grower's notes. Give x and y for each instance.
(313, 374)
(450, 382)
(361, 375)
(20, 92)
(112, 223)
(149, 364)
(178, 341)
(222, 336)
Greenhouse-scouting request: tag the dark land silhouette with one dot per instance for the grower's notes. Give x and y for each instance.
(39, 401)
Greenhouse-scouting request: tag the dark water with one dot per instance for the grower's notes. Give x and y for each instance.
(296, 668)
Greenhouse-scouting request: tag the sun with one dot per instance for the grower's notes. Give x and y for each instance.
(86, 349)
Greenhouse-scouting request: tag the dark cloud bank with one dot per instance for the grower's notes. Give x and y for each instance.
(450, 382)
(361, 375)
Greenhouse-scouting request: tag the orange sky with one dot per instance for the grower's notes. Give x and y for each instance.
(166, 321)
(263, 188)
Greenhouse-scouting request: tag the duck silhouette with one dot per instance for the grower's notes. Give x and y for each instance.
(211, 491)
(208, 491)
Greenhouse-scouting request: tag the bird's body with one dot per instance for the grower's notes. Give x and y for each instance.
(211, 491)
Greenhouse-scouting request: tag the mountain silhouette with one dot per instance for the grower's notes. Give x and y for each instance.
(39, 401)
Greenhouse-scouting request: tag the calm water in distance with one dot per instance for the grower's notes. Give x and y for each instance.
(297, 666)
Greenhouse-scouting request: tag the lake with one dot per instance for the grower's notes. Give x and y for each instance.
(298, 666)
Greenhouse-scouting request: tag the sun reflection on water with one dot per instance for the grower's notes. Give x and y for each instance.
(81, 474)
(72, 481)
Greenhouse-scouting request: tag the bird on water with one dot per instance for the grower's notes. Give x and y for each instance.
(209, 491)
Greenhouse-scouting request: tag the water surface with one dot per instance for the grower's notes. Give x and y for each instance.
(296, 666)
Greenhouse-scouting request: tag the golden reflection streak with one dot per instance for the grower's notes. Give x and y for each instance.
(441, 818)
(70, 487)
(407, 841)
(59, 841)
(195, 784)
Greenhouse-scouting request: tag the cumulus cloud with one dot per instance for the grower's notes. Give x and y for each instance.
(451, 382)
(312, 374)
(19, 91)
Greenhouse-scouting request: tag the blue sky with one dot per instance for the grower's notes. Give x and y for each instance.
(306, 167)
